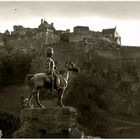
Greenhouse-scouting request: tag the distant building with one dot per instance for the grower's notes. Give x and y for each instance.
(64, 38)
(79, 29)
(60, 32)
(1, 40)
(7, 32)
(48, 32)
(112, 34)
(45, 31)
(19, 30)
(22, 31)
(67, 31)
(49, 35)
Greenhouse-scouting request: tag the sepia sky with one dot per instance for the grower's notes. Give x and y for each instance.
(97, 15)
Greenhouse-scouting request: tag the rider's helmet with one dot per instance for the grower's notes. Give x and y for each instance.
(50, 52)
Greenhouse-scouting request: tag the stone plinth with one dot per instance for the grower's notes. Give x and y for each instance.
(48, 123)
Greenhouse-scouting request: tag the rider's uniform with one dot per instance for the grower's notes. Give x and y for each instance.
(50, 65)
(50, 68)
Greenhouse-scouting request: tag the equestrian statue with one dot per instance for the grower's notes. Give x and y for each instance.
(50, 80)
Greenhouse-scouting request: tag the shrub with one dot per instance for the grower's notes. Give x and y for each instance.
(8, 124)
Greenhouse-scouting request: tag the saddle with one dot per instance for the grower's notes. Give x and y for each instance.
(52, 81)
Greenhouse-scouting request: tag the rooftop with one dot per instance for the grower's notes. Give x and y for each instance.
(108, 31)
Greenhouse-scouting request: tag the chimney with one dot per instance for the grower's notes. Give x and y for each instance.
(41, 21)
(52, 24)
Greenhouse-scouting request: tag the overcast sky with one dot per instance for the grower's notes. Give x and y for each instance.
(65, 15)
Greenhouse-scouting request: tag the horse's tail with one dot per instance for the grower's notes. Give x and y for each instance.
(28, 79)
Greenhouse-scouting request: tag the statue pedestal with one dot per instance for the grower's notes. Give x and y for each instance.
(48, 123)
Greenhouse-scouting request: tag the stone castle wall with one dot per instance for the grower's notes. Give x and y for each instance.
(78, 51)
(75, 37)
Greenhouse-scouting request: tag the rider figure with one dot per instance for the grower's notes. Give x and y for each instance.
(51, 68)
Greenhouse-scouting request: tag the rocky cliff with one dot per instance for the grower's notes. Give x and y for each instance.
(106, 91)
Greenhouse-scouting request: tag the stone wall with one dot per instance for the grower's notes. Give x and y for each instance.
(1, 43)
(48, 123)
(75, 37)
(78, 52)
(52, 38)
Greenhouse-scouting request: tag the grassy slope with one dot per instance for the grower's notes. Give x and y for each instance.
(10, 98)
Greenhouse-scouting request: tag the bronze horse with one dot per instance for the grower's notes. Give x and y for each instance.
(39, 80)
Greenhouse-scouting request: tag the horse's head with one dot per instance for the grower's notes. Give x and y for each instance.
(71, 66)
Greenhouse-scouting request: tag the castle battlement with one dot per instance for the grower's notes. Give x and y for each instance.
(51, 35)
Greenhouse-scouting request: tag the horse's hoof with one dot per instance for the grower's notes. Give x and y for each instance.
(31, 106)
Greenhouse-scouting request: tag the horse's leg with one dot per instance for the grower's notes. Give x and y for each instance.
(29, 101)
(37, 98)
(27, 96)
(60, 97)
(31, 96)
